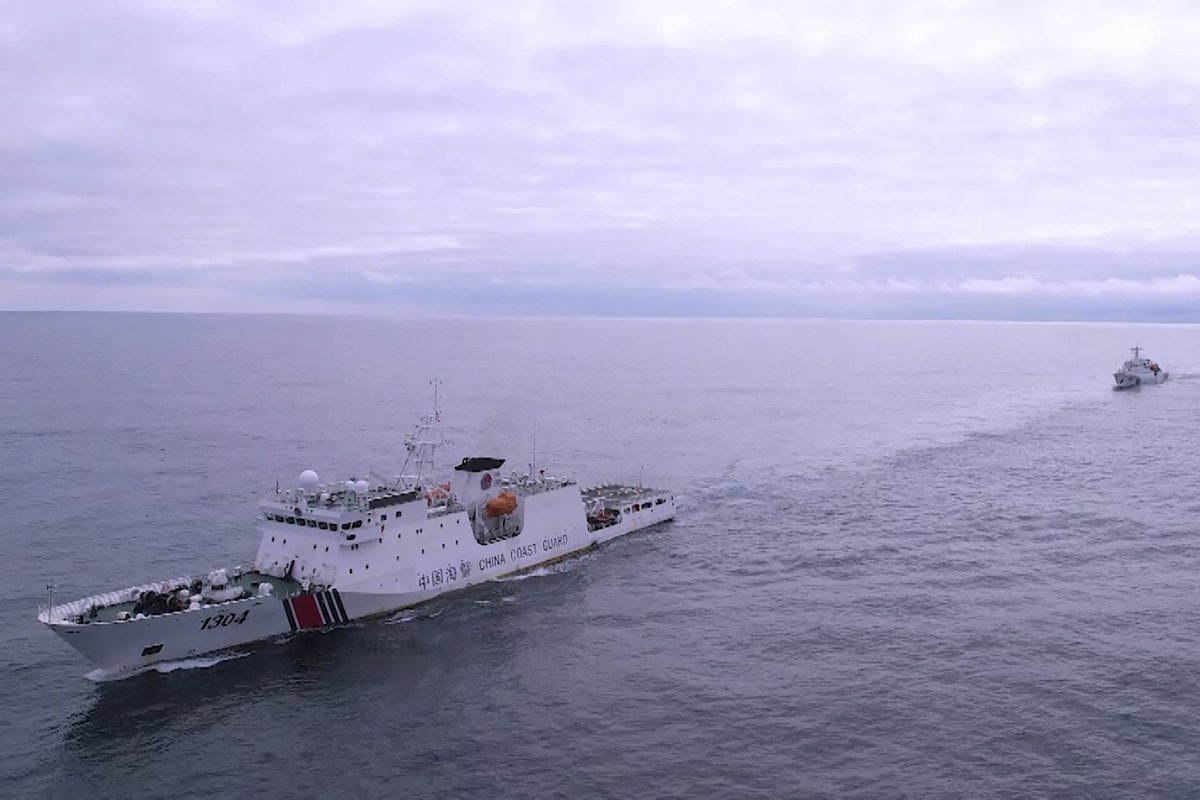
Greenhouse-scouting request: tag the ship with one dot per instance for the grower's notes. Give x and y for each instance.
(333, 553)
(1138, 370)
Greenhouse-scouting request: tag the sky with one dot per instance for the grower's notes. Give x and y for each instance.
(678, 157)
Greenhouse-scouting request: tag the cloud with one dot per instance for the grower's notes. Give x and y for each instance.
(840, 150)
(1178, 287)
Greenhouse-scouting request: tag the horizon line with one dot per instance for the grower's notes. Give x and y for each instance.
(367, 315)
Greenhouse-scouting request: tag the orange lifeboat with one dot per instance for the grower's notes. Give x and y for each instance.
(501, 504)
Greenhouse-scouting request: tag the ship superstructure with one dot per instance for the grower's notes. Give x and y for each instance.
(333, 552)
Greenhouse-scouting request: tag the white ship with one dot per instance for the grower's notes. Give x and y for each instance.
(332, 553)
(1138, 370)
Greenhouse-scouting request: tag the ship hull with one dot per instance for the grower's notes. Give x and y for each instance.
(1130, 380)
(129, 646)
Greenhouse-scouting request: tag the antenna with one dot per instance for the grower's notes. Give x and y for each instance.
(50, 587)
(533, 463)
(422, 444)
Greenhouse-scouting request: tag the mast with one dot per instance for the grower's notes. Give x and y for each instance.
(422, 443)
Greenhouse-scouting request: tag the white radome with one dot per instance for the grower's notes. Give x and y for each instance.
(309, 480)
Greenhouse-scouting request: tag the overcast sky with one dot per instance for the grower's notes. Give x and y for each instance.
(895, 158)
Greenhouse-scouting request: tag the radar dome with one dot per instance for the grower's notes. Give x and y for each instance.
(309, 480)
(361, 487)
(349, 486)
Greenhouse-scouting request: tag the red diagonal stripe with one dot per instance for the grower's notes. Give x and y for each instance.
(307, 613)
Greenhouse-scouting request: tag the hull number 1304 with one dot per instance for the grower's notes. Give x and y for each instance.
(221, 620)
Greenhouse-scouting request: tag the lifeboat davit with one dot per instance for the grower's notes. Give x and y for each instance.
(501, 504)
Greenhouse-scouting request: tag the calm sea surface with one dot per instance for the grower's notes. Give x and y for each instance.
(920, 559)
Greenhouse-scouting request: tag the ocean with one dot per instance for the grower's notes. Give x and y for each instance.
(925, 559)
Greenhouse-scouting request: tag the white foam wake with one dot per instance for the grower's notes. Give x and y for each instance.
(164, 667)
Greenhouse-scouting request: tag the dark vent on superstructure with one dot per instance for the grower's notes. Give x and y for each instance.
(479, 464)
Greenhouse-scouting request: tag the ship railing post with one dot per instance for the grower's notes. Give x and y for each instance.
(50, 587)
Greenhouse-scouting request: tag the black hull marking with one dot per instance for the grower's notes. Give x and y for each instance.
(337, 601)
(325, 615)
(287, 609)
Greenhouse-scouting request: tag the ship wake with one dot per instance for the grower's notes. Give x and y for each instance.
(162, 667)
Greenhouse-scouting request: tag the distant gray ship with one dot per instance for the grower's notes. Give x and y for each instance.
(1138, 370)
